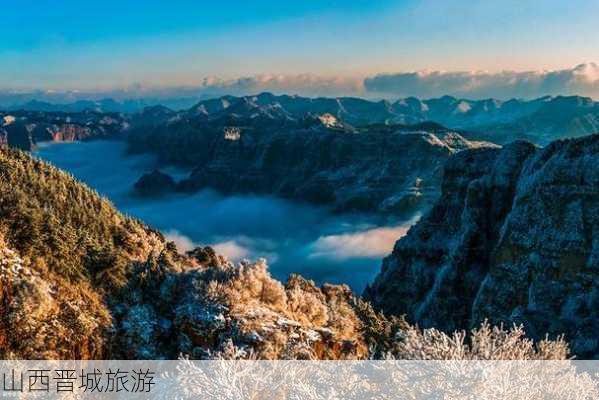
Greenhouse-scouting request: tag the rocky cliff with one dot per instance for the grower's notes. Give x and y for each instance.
(513, 238)
(374, 171)
(24, 129)
(319, 159)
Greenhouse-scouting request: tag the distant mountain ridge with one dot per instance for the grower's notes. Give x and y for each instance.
(445, 110)
(107, 105)
(25, 129)
(540, 120)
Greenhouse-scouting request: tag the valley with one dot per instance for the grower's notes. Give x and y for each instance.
(293, 237)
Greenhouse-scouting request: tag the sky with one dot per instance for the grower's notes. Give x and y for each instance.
(322, 47)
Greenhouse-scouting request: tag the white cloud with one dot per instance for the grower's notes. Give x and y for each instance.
(303, 84)
(581, 80)
(232, 250)
(183, 242)
(372, 243)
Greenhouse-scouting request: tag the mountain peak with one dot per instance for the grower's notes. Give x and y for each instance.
(526, 202)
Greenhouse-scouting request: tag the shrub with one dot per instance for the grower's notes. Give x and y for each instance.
(483, 343)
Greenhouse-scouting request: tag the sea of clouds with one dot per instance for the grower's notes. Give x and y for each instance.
(581, 80)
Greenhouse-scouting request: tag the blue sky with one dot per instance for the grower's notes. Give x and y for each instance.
(66, 44)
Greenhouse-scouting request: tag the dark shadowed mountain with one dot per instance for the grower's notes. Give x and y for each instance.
(251, 148)
(513, 239)
(540, 120)
(549, 119)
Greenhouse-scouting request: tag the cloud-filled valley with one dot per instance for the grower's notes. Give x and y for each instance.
(292, 237)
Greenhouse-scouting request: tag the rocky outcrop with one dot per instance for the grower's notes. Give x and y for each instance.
(155, 183)
(319, 159)
(371, 171)
(24, 129)
(512, 239)
(19, 135)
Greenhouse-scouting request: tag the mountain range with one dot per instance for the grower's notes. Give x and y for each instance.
(539, 121)
(388, 169)
(349, 153)
(508, 236)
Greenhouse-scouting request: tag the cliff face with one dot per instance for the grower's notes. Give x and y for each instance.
(513, 238)
(24, 129)
(388, 172)
(386, 169)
